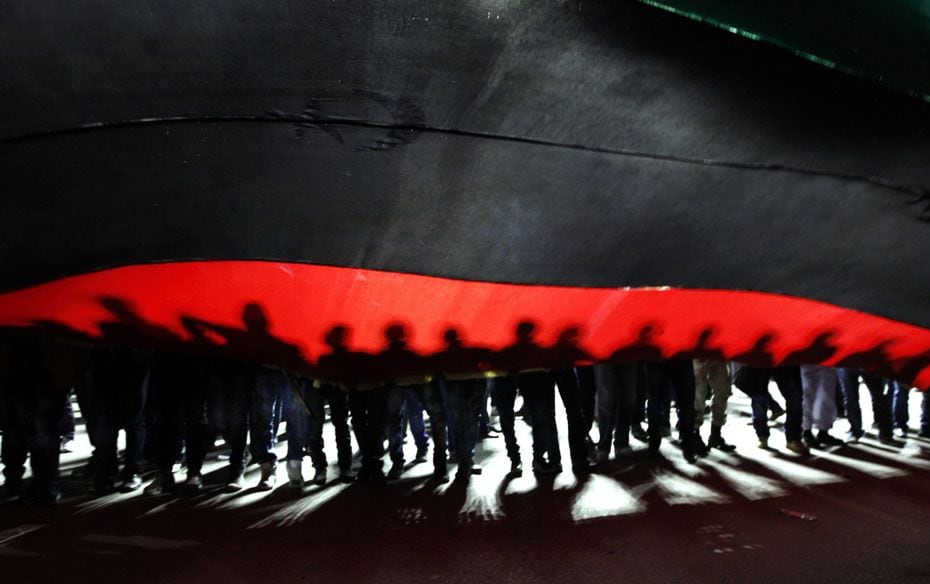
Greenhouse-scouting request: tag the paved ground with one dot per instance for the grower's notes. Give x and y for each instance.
(717, 521)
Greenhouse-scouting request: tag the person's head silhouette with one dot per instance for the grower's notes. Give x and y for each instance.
(254, 318)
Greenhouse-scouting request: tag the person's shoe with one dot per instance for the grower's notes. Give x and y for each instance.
(797, 447)
(45, 498)
(636, 431)
(319, 477)
(11, 489)
(397, 469)
(163, 483)
(67, 446)
(463, 474)
(374, 478)
(889, 440)
(826, 439)
(853, 437)
(346, 476)
(764, 442)
(269, 477)
(516, 467)
(295, 475)
(900, 433)
(194, 483)
(236, 482)
(104, 487)
(602, 456)
(624, 453)
(690, 455)
(541, 468)
(131, 483)
(582, 468)
(700, 448)
(777, 412)
(488, 433)
(441, 473)
(421, 455)
(717, 441)
(810, 440)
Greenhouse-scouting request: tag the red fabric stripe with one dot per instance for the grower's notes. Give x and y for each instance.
(304, 301)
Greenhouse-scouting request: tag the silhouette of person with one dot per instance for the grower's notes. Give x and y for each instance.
(759, 354)
(643, 348)
(819, 350)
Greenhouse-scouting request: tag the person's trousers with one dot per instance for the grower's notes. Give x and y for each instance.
(538, 390)
(271, 387)
(34, 416)
(881, 405)
(678, 375)
(788, 380)
(465, 396)
(587, 387)
(229, 401)
(504, 390)
(368, 414)
(119, 406)
(900, 393)
(713, 375)
(819, 402)
(616, 399)
(316, 399)
(567, 384)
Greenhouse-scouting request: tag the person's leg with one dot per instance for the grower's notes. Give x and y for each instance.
(44, 441)
(475, 400)
(237, 423)
(681, 374)
(701, 389)
(899, 405)
(605, 379)
(369, 411)
(304, 412)
(13, 451)
(823, 408)
(881, 406)
(587, 389)
(270, 385)
(196, 433)
(66, 425)
(394, 428)
(539, 395)
(848, 380)
(925, 414)
(719, 378)
(430, 396)
(106, 406)
(484, 417)
(313, 407)
(165, 404)
(567, 384)
(504, 390)
(640, 413)
(808, 395)
(788, 380)
(625, 380)
(413, 409)
(339, 413)
(701, 386)
(658, 383)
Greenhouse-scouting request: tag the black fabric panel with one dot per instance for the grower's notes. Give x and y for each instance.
(424, 137)
(463, 207)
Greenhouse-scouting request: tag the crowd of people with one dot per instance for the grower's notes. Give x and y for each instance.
(173, 406)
